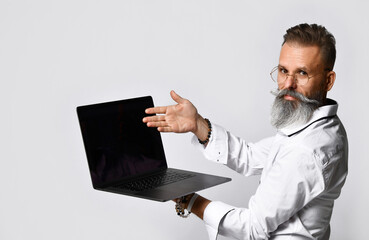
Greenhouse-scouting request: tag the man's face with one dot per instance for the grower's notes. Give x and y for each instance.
(295, 103)
(295, 58)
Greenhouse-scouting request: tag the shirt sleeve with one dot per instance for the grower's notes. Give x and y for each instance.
(291, 184)
(225, 148)
(213, 215)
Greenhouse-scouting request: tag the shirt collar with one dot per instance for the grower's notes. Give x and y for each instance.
(325, 111)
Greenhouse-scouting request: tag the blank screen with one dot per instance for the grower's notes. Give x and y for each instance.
(118, 144)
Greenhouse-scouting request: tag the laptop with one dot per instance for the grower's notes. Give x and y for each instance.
(127, 157)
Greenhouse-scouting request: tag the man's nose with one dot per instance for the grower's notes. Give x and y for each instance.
(290, 82)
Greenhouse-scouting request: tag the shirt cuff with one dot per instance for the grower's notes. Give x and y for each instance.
(213, 215)
(216, 150)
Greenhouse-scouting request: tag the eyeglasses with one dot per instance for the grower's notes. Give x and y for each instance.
(280, 75)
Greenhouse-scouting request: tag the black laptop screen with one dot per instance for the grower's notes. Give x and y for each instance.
(118, 144)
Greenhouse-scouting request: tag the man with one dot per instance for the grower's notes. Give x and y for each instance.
(303, 167)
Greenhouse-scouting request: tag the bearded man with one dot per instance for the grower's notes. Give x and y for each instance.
(303, 167)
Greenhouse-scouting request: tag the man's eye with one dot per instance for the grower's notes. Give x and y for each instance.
(302, 73)
(282, 70)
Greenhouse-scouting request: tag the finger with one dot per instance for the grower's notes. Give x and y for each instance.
(157, 124)
(157, 110)
(165, 129)
(155, 118)
(176, 97)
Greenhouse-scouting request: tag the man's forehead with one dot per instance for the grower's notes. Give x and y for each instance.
(298, 56)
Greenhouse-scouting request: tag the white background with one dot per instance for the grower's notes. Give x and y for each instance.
(56, 55)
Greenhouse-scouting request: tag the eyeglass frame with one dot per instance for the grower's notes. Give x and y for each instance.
(294, 75)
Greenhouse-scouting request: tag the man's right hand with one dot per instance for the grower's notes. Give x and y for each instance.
(180, 118)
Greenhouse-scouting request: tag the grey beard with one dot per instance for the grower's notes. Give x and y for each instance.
(287, 113)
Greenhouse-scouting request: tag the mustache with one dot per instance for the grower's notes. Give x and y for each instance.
(281, 93)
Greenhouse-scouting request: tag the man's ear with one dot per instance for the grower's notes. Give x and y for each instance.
(331, 77)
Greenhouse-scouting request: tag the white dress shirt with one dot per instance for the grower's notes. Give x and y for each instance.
(302, 173)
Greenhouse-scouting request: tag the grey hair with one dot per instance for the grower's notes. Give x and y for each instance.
(291, 113)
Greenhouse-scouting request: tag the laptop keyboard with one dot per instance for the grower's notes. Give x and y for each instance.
(154, 181)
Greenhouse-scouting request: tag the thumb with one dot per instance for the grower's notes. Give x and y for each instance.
(176, 97)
